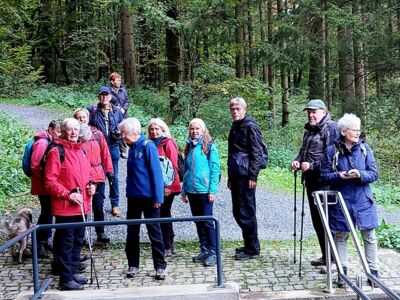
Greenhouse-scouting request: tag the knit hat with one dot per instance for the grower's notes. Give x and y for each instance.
(199, 122)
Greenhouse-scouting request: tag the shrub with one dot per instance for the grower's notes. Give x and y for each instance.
(389, 236)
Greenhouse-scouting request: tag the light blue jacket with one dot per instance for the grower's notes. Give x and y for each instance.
(202, 172)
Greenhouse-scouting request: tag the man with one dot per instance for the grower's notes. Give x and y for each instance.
(245, 159)
(320, 132)
(145, 193)
(106, 117)
(42, 140)
(95, 147)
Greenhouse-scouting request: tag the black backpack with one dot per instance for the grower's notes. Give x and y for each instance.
(43, 161)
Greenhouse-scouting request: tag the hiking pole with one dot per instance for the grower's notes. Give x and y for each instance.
(294, 216)
(92, 265)
(302, 223)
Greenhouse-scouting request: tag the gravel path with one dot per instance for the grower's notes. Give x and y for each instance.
(274, 211)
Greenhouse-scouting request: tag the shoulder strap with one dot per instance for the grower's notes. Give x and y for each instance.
(335, 159)
(209, 145)
(363, 149)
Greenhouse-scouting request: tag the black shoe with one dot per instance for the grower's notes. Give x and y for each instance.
(160, 274)
(340, 281)
(376, 274)
(70, 286)
(211, 259)
(172, 247)
(81, 268)
(318, 262)
(79, 279)
(84, 258)
(240, 249)
(202, 255)
(246, 255)
(102, 238)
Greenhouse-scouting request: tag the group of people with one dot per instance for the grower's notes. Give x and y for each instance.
(83, 152)
(333, 156)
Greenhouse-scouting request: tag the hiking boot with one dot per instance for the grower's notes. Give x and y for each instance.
(79, 279)
(376, 274)
(84, 257)
(318, 262)
(116, 212)
(132, 272)
(102, 238)
(211, 259)
(168, 253)
(246, 255)
(240, 249)
(41, 252)
(160, 274)
(70, 286)
(202, 255)
(172, 247)
(81, 268)
(340, 281)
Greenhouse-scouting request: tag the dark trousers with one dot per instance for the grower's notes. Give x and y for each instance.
(312, 186)
(114, 187)
(98, 205)
(200, 206)
(44, 218)
(137, 207)
(244, 212)
(67, 246)
(167, 229)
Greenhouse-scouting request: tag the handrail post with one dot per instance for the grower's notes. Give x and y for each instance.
(330, 288)
(35, 262)
(219, 260)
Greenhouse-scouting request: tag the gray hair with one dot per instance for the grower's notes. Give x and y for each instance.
(68, 123)
(85, 133)
(160, 123)
(132, 125)
(348, 121)
(78, 110)
(239, 101)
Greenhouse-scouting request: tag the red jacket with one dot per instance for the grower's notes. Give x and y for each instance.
(99, 155)
(42, 139)
(61, 178)
(168, 148)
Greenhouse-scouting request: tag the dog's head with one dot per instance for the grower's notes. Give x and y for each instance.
(21, 221)
(25, 213)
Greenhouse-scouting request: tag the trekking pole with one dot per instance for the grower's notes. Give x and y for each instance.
(92, 265)
(302, 224)
(294, 216)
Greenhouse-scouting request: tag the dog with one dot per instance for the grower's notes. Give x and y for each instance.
(21, 222)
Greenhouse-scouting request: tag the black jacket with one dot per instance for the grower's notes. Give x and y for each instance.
(245, 143)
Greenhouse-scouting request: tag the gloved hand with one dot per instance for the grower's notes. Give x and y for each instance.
(110, 177)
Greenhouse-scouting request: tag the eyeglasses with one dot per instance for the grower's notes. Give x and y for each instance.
(355, 130)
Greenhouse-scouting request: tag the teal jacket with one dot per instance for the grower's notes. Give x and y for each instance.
(202, 172)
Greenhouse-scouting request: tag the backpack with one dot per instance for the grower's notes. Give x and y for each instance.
(26, 159)
(181, 163)
(43, 161)
(264, 162)
(167, 168)
(335, 158)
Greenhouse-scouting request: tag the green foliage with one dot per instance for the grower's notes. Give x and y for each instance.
(386, 194)
(389, 236)
(13, 182)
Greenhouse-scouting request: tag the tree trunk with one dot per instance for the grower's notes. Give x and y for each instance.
(264, 37)
(271, 72)
(239, 39)
(328, 85)
(251, 40)
(284, 79)
(128, 49)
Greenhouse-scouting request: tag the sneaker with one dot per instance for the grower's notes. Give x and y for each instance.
(70, 286)
(211, 259)
(79, 279)
(376, 274)
(318, 262)
(81, 268)
(168, 253)
(161, 274)
(246, 255)
(116, 212)
(202, 255)
(132, 272)
(102, 238)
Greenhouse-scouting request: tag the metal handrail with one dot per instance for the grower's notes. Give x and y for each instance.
(38, 290)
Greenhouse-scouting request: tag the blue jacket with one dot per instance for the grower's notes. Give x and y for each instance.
(96, 119)
(357, 192)
(144, 176)
(202, 172)
(120, 98)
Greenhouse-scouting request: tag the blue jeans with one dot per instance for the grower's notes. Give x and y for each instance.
(200, 206)
(44, 218)
(114, 187)
(98, 205)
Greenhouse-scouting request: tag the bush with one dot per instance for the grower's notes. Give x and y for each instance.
(389, 236)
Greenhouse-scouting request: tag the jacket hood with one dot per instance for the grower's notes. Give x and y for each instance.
(43, 134)
(67, 144)
(320, 125)
(244, 122)
(341, 145)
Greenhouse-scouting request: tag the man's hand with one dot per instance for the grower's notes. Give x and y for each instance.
(252, 184)
(295, 165)
(167, 192)
(110, 177)
(157, 205)
(305, 166)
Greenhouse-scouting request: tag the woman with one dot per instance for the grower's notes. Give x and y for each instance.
(159, 133)
(69, 183)
(119, 97)
(95, 146)
(349, 167)
(200, 184)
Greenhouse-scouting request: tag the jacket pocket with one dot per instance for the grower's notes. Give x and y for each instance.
(238, 164)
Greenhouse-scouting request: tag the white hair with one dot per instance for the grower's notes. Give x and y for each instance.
(160, 123)
(78, 110)
(348, 121)
(239, 101)
(132, 125)
(68, 123)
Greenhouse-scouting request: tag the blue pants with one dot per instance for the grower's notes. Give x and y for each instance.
(67, 246)
(244, 212)
(44, 218)
(114, 187)
(98, 205)
(200, 206)
(137, 207)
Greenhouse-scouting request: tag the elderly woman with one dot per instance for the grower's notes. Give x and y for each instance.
(145, 193)
(95, 146)
(159, 133)
(68, 181)
(349, 167)
(200, 184)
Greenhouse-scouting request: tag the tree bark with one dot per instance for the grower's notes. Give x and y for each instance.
(239, 39)
(128, 48)
(284, 78)
(264, 35)
(251, 40)
(316, 73)
(271, 71)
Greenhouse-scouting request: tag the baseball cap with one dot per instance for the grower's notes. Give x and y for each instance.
(104, 89)
(315, 104)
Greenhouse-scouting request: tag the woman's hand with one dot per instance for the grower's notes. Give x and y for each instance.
(91, 188)
(76, 198)
(184, 198)
(167, 192)
(353, 173)
(211, 198)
